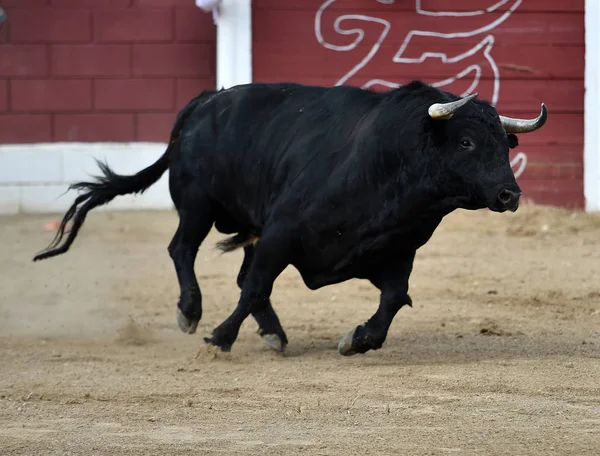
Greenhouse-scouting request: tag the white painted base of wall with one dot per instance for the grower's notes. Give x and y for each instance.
(35, 177)
(591, 177)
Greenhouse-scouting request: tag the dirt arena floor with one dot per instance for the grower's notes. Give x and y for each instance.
(499, 355)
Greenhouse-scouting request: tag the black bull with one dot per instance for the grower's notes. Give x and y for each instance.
(339, 182)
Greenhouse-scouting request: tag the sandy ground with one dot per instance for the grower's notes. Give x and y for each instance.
(499, 355)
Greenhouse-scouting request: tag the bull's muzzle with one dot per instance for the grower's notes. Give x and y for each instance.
(509, 199)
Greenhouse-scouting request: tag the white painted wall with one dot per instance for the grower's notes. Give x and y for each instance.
(35, 177)
(592, 106)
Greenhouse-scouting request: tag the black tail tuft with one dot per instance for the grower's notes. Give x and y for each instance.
(110, 185)
(235, 242)
(103, 190)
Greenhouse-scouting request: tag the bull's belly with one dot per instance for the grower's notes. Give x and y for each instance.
(336, 262)
(330, 266)
(319, 279)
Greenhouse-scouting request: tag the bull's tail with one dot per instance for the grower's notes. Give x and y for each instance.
(100, 192)
(235, 242)
(110, 185)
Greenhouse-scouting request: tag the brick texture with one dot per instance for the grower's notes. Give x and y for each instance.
(555, 192)
(94, 127)
(23, 60)
(134, 25)
(50, 25)
(3, 96)
(101, 70)
(173, 60)
(165, 3)
(51, 95)
(194, 25)
(26, 128)
(135, 95)
(90, 60)
(91, 4)
(3, 34)
(154, 127)
(24, 3)
(186, 89)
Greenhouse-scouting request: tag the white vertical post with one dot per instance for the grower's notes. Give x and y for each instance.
(234, 43)
(591, 157)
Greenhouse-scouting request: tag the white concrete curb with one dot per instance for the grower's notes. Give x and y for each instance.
(35, 177)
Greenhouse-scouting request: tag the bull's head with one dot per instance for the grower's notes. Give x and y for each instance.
(475, 142)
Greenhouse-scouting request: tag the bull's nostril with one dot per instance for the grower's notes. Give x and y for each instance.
(507, 200)
(505, 196)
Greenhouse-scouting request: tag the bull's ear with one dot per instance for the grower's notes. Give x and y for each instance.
(513, 141)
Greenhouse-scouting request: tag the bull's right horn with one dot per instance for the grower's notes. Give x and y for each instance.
(447, 110)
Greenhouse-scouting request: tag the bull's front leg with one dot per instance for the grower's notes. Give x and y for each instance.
(392, 280)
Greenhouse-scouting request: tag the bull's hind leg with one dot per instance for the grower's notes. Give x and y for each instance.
(270, 258)
(269, 327)
(195, 222)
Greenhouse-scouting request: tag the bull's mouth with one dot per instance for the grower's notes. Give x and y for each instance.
(496, 208)
(514, 207)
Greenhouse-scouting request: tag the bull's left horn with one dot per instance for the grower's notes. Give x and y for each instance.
(513, 125)
(447, 110)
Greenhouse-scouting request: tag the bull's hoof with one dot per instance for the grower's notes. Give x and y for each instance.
(345, 345)
(274, 342)
(226, 347)
(185, 324)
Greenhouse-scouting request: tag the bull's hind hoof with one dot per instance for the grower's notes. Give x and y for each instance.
(224, 347)
(274, 342)
(185, 324)
(345, 345)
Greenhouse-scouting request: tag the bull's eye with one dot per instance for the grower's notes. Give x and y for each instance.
(466, 143)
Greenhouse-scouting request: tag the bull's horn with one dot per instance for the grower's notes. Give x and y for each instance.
(512, 125)
(446, 110)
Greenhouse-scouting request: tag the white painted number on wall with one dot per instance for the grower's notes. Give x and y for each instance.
(483, 22)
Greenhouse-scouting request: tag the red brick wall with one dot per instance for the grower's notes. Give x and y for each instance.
(100, 70)
(539, 51)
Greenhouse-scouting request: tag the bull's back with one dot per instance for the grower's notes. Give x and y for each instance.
(278, 144)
